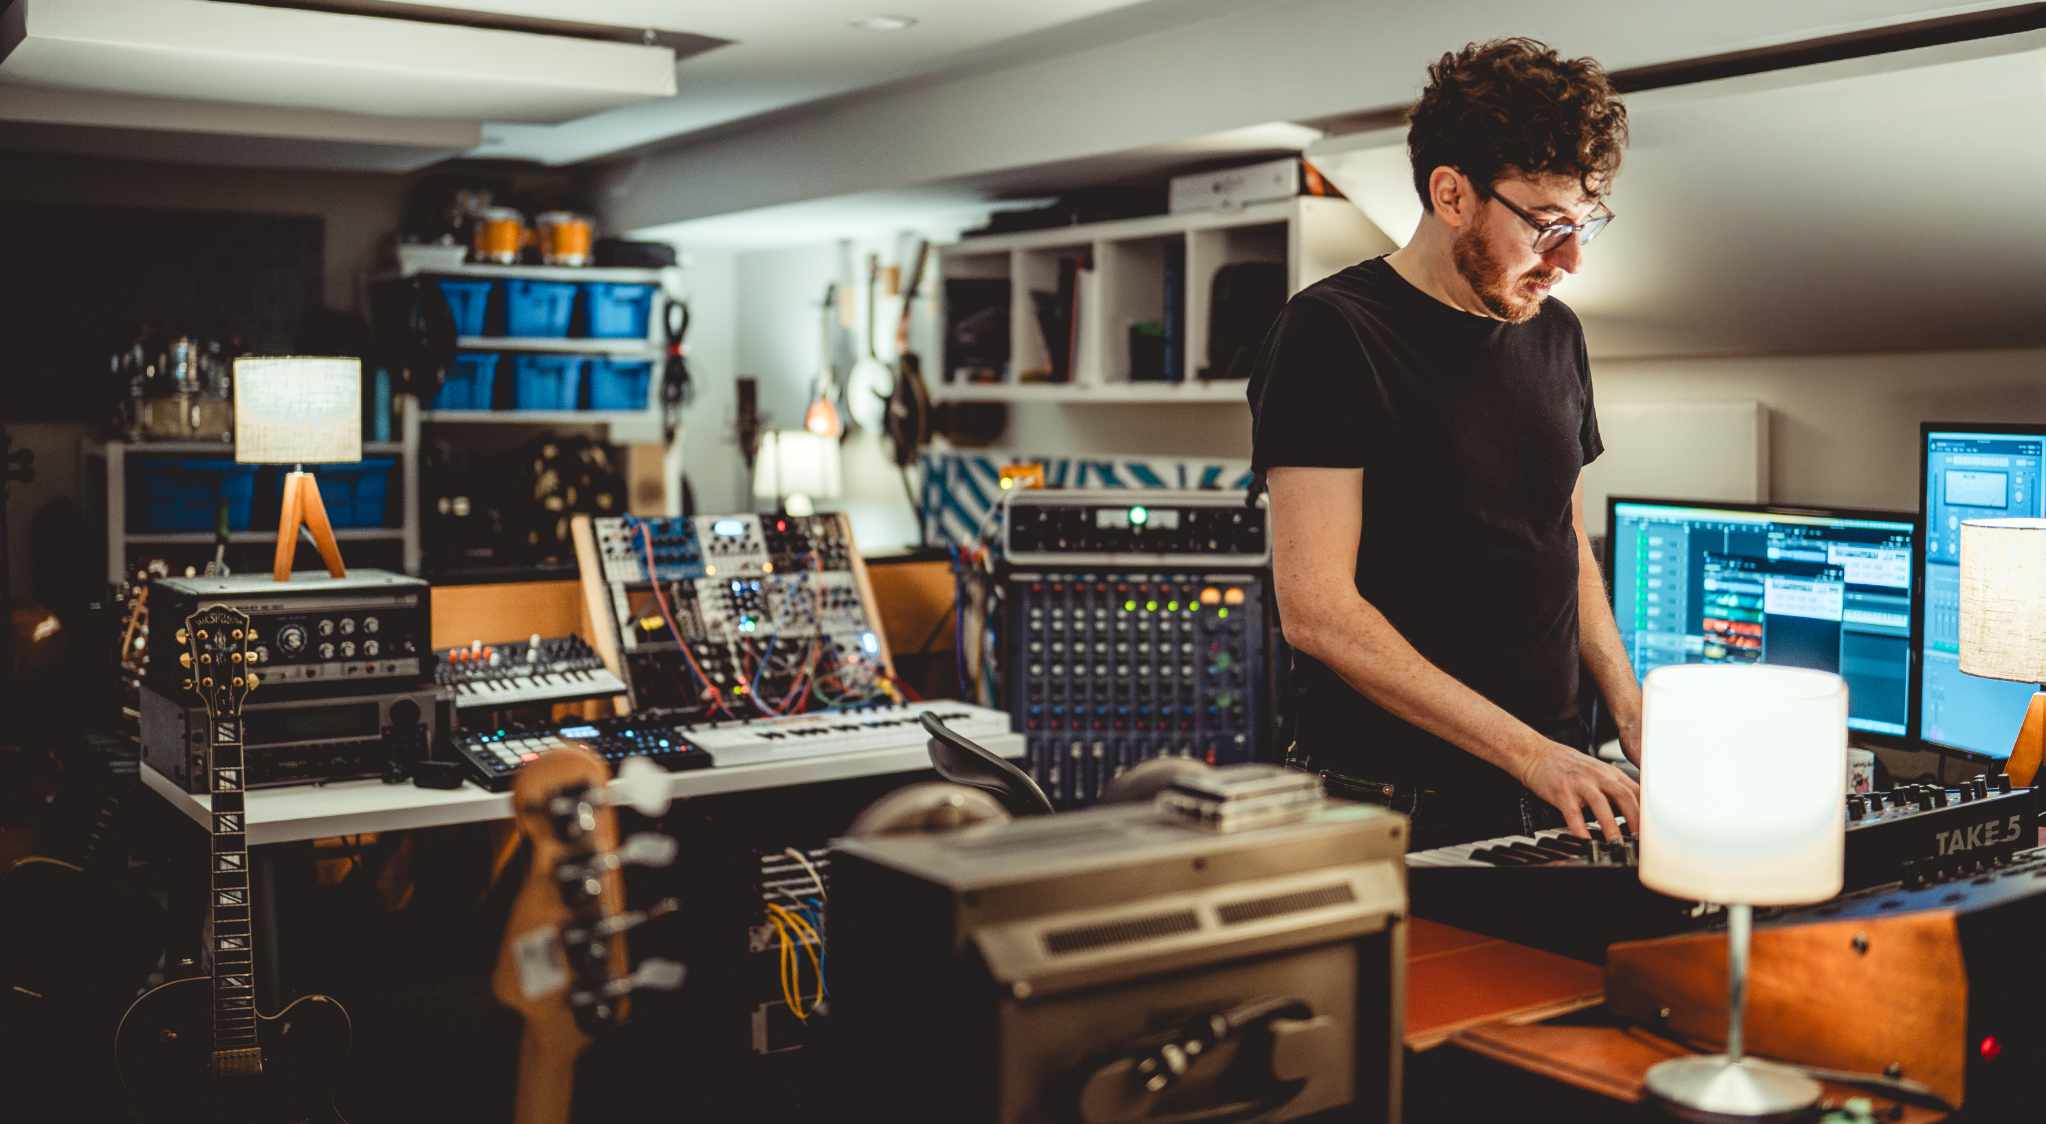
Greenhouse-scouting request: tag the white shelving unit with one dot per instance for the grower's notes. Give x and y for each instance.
(532, 417)
(109, 463)
(646, 348)
(651, 348)
(1311, 237)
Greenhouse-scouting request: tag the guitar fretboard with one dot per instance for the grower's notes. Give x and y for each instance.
(234, 966)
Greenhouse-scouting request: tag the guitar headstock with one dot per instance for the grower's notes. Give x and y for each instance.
(563, 964)
(217, 642)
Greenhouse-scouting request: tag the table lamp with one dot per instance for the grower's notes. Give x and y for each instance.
(2003, 620)
(796, 468)
(299, 410)
(1741, 806)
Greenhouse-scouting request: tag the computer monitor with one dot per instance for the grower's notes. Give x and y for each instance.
(1968, 471)
(1826, 588)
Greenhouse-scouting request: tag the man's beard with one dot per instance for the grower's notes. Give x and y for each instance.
(1515, 302)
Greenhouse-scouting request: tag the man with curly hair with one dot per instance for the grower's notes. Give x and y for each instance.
(1420, 421)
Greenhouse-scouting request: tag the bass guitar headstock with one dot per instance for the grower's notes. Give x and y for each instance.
(563, 965)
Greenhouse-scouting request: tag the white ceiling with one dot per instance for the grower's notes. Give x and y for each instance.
(1884, 204)
(750, 60)
(786, 53)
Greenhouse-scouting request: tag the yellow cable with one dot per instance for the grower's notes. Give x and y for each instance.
(788, 994)
(811, 940)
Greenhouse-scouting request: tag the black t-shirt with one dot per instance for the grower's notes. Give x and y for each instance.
(1470, 432)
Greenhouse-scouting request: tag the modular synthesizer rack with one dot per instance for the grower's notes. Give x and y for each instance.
(773, 613)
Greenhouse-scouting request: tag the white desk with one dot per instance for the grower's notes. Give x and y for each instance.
(318, 811)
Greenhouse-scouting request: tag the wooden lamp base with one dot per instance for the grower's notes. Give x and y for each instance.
(2025, 755)
(303, 507)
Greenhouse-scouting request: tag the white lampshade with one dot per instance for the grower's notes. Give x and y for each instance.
(297, 409)
(1741, 796)
(796, 463)
(2003, 599)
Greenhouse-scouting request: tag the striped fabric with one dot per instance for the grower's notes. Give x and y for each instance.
(960, 486)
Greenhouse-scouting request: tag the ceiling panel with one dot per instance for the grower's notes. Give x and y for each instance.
(198, 49)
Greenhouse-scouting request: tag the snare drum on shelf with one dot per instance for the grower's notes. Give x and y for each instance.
(565, 238)
(499, 236)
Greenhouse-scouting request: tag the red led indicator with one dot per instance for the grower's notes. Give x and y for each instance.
(1991, 1049)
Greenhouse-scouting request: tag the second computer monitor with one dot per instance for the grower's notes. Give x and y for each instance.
(1697, 582)
(1969, 472)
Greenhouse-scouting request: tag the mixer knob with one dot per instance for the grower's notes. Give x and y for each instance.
(1981, 784)
(1927, 801)
(291, 639)
(1856, 807)
(370, 648)
(348, 649)
(2003, 782)
(326, 628)
(326, 651)
(1875, 801)
(1966, 792)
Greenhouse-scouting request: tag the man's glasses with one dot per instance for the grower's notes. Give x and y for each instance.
(1549, 235)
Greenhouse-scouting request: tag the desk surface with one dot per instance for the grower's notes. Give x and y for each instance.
(301, 812)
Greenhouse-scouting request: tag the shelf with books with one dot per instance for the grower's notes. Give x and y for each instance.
(1104, 309)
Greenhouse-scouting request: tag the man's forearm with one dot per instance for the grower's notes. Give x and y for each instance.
(1356, 642)
(1598, 639)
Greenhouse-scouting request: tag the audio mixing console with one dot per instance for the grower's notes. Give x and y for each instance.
(1137, 627)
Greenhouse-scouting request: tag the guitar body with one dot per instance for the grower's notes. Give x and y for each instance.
(164, 1055)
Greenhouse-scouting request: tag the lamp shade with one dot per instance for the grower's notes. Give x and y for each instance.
(1741, 789)
(2003, 599)
(297, 409)
(795, 462)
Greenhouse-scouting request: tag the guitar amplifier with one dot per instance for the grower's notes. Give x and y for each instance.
(315, 636)
(296, 741)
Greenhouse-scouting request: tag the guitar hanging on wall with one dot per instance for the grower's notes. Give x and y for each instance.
(197, 1048)
(562, 965)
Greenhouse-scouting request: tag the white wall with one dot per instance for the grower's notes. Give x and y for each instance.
(1844, 428)
(775, 336)
(710, 454)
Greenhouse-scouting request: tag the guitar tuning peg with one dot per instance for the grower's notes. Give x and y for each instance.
(655, 974)
(648, 849)
(184, 636)
(641, 784)
(253, 681)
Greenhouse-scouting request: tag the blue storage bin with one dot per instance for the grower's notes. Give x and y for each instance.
(548, 382)
(182, 493)
(471, 382)
(619, 312)
(538, 309)
(469, 299)
(355, 495)
(620, 384)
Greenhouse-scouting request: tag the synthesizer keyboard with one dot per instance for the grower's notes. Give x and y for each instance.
(1576, 896)
(494, 755)
(844, 731)
(542, 670)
